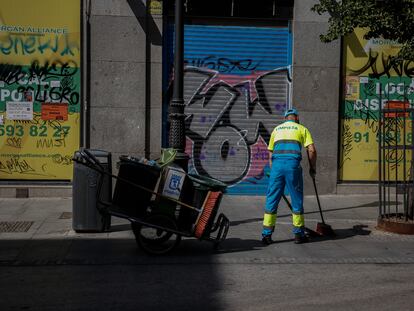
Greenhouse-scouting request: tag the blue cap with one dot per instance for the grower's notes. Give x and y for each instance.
(291, 111)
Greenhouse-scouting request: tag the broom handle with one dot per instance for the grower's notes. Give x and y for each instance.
(317, 199)
(316, 190)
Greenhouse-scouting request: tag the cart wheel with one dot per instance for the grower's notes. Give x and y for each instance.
(153, 240)
(157, 237)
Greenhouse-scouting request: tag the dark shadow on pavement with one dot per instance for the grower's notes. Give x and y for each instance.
(105, 274)
(372, 204)
(341, 234)
(233, 245)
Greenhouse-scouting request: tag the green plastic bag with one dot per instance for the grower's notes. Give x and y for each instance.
(167, 156)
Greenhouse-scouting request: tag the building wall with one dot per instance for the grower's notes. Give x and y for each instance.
(123, 55)
(125, 52)
(316, 85)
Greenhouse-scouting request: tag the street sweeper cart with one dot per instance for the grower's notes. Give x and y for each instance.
(162, 201)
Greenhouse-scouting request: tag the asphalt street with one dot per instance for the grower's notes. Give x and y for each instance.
(51, 267)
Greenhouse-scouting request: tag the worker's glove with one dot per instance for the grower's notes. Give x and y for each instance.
(312, 172)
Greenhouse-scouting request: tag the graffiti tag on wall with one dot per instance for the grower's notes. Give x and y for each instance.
(236, 89)
(230, 119)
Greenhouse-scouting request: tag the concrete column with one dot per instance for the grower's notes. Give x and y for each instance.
(316, 83)
(126, 75)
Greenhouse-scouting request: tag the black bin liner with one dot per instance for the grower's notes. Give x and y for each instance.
(133, 200)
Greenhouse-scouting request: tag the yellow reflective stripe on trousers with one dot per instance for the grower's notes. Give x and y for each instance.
(298, 220)
(269, 220)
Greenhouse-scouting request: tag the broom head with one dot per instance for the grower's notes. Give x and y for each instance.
(324, 229)
(310, 233)
(208, 213)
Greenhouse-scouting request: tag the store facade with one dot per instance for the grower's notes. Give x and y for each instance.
(244, 66)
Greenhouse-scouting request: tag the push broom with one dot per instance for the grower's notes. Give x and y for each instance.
(207, 214)
(322, 228)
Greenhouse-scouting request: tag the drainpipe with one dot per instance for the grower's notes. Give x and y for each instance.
(86, 69)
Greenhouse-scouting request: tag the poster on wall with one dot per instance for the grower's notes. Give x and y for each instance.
(39, 88)
(371, 81)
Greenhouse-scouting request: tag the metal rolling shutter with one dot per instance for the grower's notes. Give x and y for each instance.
(236, 88)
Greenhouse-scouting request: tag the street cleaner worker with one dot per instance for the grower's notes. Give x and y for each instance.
(285, 154)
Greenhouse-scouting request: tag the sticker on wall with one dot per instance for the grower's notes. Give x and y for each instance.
(397, 104)
(352, 88)
(155, 7)
(19, 110)
(28, 96)
(54, 112)
(55, 83)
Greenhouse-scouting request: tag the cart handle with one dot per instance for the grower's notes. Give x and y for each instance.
(87, 157)
(94, 159)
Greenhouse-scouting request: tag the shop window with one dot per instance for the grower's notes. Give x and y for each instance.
(279, 9)
(219, 8)
(263, 9)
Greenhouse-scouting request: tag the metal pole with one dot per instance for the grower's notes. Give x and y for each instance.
(404, 156)
(176, 114)
(384, 161)
(389, 152)
(411, 175)
(86, 70)
(396, 163)
(383, 158)
(380, 125)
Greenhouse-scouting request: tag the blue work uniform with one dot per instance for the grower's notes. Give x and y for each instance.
(286, 144)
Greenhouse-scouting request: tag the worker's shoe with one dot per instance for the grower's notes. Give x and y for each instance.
(300, 239)
(267, 240)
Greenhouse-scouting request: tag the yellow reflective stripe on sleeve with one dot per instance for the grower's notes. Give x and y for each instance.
(271, 141)
(298, 220)
(307, 137)
(269, 220)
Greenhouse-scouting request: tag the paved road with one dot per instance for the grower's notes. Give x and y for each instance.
(52, 268)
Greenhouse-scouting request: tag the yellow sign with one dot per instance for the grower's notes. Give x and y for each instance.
(364, 57)
(360, 149)
(38, 149)
(371, 84)
(40, 88)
